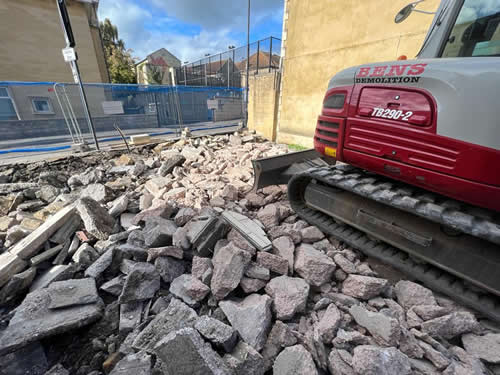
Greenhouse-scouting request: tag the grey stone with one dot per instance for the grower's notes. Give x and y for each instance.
(285, 248)
(229, 264)
(289, 296)
(95, 217)
(314, 266)
(255, 271)
(465, 364)
(220, 334)
(180, 239)
(204, 231)
(119, 206)
(329, 323)
(176, 316)
(378, 324)
(363, 287)
(141, 283)
(322, 303)
(237, 238)
(10, 264)
(33, 320)
(269, 216)
(285, 230)
(56, 273)
(170, 251)
(137, 364)
(183, 216)
(423, 367)
(251, 285)
(451, 325)
(245, 360)
(347, 338)
(169, 268)
(130, 316)
(170, 163)
(343, 299)
(250, 232)
(251, 317)
(311, 234)
(486, 347)
(280, 337)
(294, 360)
(158, 232)
(184, 352)
(164, 211)
(411, 294)
(437, 358)
(100, 265)
(17, 284)
(85, 255)
(428, 312)
(47, 193)
(371, 360)
(159, 305)
(202, 269)
(72, 293)
(189, 289)
(114, 286)
(345, 264)
(29, 360)
(91, 175)
(409, 345)
(57, 370)
(274, 262)
(337, 365)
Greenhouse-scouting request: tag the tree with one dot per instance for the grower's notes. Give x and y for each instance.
(155, 74)
(121, 64)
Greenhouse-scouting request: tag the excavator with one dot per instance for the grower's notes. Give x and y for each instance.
(406, 158)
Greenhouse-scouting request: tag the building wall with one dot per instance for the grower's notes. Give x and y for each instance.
(262, 103)
(32, 40)
(322, 37)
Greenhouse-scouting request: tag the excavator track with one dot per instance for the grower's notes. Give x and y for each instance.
(450, 247)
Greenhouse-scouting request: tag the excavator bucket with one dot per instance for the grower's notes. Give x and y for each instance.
(277, 170)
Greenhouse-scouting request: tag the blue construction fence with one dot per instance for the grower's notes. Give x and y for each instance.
(49, 110)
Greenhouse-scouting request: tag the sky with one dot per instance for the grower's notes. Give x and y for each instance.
(191, 28)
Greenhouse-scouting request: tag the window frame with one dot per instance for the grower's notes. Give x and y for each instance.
(36, 111)
(9, 96)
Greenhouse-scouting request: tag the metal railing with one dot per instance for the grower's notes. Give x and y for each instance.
(226, 69)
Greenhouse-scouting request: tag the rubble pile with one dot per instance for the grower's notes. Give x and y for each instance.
(163, 262)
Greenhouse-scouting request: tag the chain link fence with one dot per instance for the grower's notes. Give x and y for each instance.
(228, 69)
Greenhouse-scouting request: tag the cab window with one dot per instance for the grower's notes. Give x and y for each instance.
(476, 31)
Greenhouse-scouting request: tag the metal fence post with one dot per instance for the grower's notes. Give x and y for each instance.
(270, 53)
(258, 52)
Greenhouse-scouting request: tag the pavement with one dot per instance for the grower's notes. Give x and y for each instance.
(51, 148)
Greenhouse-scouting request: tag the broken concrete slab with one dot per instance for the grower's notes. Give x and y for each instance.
(248, 229)
(46, 255)
(95, 217)
(229, 265)
(411, 294)
(274, 262)
(189, 289)
(204, 231)
(72, 293)
(370, 359)
(284, 247)
(311, 234)
(251, 285)
(251, 317)
(166, 251)
(169, 268)
(100, 265)
(184, 352)
(10, 264)
(363, 287)
(289, 296)
(245, 360)
(337, 365)
(85, 255)
(114, 286)
(294, 360)
(17, 284)
(486, 347)
(137, 364)
(451, 325)
(220, 334)
(33, 320)
(119, 206)
(313, 265)
(378, 324)
(176, 316)
(56, 273)
(202, 269)
(329, 323)
(141, 283)
(130, 316)
(158, 232)
(255, 271)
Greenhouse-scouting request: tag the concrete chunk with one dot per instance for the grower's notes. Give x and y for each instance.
(10, 264)
(451, 325)
(411, 294)
(33, 320)
(222, 335)
(56, 273)
(100, 265)
(378, 324)
(313, 265)
(72, 292)
(18, 283)
(137, 364)
(245, 360)
(289, 296)
(485, 347)
(141, 283)
(189, 289)
(329, 323)
(130, 316)
(248, 229)
(30, 360)
(285, 248)
(95, 217)
(274, 262)
(363, 287)
(368, 360)
(184, 352)
(294, 360)
(169, 268)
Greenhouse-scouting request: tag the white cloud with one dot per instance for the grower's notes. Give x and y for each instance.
(219, 20)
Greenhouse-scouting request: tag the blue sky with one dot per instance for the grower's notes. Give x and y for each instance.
(190, 28)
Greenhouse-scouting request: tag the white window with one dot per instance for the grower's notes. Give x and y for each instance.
(42, 105)
(7, 108)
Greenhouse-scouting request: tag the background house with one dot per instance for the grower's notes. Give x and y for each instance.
(155, 68)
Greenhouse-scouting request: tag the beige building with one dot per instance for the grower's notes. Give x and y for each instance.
(32, 40)
(155, 68)
(322, 37)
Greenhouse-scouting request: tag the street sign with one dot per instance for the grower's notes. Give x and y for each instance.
(69, 54)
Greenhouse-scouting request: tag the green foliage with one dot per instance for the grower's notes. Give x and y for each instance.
(121, 64)
(155, 74)
(295, 147)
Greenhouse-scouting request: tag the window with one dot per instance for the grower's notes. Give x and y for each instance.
(7, 109)
(42, 105)
(476, 31)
